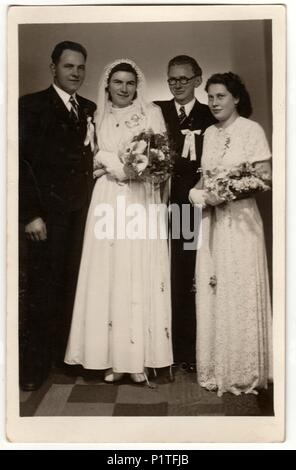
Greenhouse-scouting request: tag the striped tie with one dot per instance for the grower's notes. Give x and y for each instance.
(74, 109)
(182, 115)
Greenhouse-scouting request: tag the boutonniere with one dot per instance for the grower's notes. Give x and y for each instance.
(189, 143)
(90, 133)
(87, 112)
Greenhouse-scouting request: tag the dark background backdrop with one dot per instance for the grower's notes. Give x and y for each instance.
(244, 47)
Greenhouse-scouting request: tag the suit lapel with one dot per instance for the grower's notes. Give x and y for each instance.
(173, 124)
(172, 116)
(83, 113)
(61, 113)
(192, 119)
(58, 105)
(82, 109)
(197, 117)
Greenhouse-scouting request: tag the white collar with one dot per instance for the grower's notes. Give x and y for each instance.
(188, 106)
(65, 97)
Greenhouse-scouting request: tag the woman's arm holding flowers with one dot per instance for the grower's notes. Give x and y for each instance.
(264, 169)
(212, 199)
(109, 162)
(98, 168)
(197, 194)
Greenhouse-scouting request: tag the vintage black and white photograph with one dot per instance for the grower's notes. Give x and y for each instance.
(147, 192)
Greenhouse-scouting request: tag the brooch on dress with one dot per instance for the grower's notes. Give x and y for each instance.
(134, 121)
(226, 145)
(213, 281)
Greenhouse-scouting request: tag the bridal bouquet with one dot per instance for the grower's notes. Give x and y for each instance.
(147, 158)
(239, 181)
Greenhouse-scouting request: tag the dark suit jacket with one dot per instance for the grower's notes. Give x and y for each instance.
(55, 165)
(185, 175)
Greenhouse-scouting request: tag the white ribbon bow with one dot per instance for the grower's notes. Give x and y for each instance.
(189, 143)
(90, 134)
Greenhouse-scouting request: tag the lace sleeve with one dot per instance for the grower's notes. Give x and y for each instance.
(257, 147)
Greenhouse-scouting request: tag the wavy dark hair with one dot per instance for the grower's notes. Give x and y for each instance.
(236, 87)
(122, 67)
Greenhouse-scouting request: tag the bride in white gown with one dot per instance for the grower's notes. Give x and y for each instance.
(122, 313)
(234, 343)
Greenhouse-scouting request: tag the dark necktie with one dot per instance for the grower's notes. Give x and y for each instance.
(74, 109)
(182, 115)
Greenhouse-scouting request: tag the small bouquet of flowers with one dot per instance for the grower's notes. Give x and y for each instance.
(237, 182)
(147, 158)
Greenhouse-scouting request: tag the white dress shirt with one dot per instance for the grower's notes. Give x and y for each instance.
(188, 106)
(65, 97)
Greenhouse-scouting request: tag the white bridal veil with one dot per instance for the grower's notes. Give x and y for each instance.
(103, 103)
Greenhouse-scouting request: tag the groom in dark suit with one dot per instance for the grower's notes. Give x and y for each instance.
(186, 119)
(56, 143)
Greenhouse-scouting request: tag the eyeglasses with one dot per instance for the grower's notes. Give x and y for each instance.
(182, 80)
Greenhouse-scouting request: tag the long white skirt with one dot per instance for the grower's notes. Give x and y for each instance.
(122, 311)
(234, 347)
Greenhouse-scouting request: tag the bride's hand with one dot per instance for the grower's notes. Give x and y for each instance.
(99, 169)
(97, 161)
(111, 164)
(99, 172)
(118, 173)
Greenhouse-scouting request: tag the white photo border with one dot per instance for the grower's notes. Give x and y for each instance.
(152, 429)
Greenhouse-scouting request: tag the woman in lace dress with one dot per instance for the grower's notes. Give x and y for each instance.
(234, 347)
(122, 313)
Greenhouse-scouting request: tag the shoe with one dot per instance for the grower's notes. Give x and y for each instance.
(138, 377)
(32, 384)
(189, 367)
(71, 370)
(111, 376)
(60, 365)
(31, 379)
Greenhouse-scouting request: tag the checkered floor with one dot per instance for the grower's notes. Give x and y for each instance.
(84, 393)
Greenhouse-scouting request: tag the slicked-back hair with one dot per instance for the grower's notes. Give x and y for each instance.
(186, 60)
(67, 45)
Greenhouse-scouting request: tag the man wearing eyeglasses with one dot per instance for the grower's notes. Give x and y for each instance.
(186, 121)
